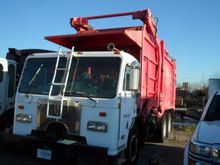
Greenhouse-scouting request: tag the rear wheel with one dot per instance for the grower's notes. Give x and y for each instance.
(132, 150)
(162, 129)
(169, 123)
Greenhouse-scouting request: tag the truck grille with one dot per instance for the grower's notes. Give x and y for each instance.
(71, 117)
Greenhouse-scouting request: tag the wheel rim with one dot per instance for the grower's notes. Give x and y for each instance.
(133, 148)
(169, 123)
(164, 128)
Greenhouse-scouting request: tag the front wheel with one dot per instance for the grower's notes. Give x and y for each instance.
(6, 121)
(132, 150)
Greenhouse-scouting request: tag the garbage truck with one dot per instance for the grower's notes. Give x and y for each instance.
(10, 70)
(113, 90)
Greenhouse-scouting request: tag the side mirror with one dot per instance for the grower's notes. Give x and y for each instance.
(134, 79)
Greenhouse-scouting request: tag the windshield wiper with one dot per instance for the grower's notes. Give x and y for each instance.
(34, 77)
(84, 95)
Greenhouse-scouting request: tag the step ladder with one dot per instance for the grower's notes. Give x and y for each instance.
(57, 89)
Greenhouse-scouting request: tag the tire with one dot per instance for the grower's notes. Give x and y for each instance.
(169, 123)
(8, 128)
(6, 121)
(56, 131)
(162, 129)
(112, 160)
(132, 150)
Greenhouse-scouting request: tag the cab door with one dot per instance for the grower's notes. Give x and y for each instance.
(128, 109)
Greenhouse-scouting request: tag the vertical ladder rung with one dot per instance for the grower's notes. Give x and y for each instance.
(58, 100)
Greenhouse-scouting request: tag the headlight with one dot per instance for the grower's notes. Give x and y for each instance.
(200, 149)
(97, 126)
(204, 151)
(216, 153)
(26, 118)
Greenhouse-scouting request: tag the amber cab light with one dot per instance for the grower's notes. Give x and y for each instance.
(21, 107)
(102, 114)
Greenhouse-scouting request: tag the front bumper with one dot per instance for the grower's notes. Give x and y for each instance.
(71, 151)
(192, 160)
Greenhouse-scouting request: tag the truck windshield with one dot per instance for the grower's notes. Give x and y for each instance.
(213, 112)
(88, 76)
(37, 75)
(93, 77)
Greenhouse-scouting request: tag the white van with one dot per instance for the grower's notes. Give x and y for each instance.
(204, 146)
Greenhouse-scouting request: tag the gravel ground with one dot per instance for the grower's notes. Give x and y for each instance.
(171, 151)
(168, 153)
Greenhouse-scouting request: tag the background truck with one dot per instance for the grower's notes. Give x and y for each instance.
(214, 85)
(115, 89)
(10, 71)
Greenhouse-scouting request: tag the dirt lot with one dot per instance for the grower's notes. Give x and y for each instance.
(168, 153)
(171, 152)
(162, 154)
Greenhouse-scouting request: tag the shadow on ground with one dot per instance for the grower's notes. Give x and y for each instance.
(161, 154)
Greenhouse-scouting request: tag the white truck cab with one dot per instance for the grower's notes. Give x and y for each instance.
(7, 84)
(204, 146)
(98, 100)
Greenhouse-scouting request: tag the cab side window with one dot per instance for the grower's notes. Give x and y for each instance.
(127, 78)
(11, 86)
(1, 72)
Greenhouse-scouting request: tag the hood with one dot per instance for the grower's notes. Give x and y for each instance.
(208, 132)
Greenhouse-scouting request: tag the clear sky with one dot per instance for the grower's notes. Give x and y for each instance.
(190, 28)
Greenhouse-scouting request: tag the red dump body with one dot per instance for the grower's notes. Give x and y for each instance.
(158, 70)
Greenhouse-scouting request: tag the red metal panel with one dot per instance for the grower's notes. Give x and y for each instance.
(168, 83)
(158, 76)
(148, 74)
(124, 39)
